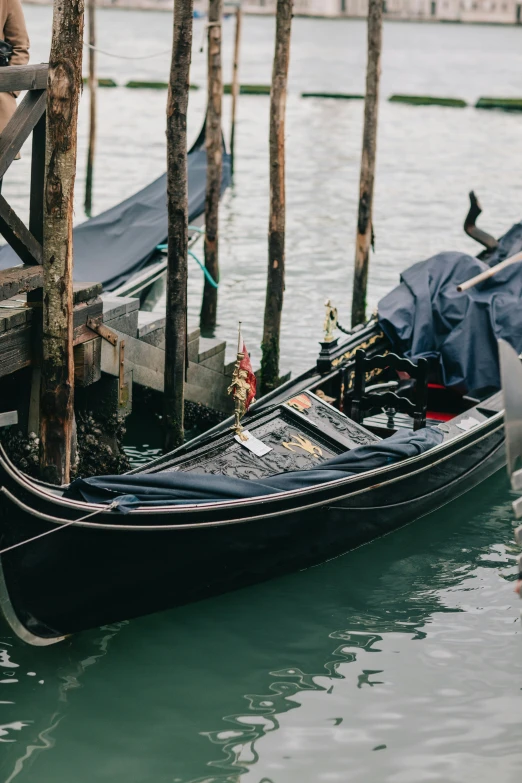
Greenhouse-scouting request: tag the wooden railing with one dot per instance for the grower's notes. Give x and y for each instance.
(28, 117)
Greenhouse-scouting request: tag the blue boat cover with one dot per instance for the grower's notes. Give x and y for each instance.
(160, 489)
(119, 242)
(425, 316)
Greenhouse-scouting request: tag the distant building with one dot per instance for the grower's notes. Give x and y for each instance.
(480, 11)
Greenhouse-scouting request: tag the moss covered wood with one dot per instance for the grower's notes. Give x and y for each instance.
(214, 164)
(177, 198)
(369, 149)
(93, 83)
(57, 389)
(276, 226)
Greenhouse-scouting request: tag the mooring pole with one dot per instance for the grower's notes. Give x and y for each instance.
(235, 84)
(369, 148)
(177, 202)
(92, 106)
(57, 387)
(276, 229)
(214, 147)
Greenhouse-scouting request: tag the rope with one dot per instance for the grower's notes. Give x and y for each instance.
(203, 268)
(56, 529)
(205, 271)
(126, 56)
(342, 329)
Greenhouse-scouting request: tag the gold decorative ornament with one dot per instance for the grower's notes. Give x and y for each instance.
(303, 443)
(242, 387)
(239, 389)
(330, 321)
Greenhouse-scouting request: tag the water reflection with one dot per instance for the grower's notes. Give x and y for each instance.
(426, 579)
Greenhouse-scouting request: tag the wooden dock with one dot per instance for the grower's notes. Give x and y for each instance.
(137, 335)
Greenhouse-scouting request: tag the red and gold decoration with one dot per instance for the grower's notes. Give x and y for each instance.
(244, 385)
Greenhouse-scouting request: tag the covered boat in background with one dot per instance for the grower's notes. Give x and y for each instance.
(115, 245)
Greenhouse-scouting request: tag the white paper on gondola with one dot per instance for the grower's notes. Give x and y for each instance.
(254, 445)
(467, 424)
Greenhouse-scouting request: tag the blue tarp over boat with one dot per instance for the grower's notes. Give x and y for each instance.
(114, 245)
(425, 315)
(160, 489)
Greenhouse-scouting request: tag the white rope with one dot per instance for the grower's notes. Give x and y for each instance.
(56, 529)
(144, 56)
(126, 56)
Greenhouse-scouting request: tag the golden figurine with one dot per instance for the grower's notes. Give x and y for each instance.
(330, 321)
(243, 386)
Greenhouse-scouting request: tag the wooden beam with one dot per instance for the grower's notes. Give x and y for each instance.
(214, 145)
(177, 203)
(57, 388)
(19, 280)
(235, 86)
(19, 237)
(20, 126)
(364, 237)
(23, 77)
(93, 83)
(275, 284)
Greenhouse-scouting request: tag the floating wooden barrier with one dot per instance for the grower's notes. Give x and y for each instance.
(249, 89)
(506, 104)
(102, 82)
(428, 100)
(139, 85)
(338, 96)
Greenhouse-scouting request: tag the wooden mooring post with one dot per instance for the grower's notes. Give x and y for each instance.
(92, 81)
(276, 229)
(214, 145)
(364, 236)
(57, 390)
(177, 190)
(235, 84)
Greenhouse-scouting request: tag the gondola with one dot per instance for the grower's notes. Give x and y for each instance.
(372, 437)
(112, 247)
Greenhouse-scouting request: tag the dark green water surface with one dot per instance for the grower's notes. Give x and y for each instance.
(398, 662)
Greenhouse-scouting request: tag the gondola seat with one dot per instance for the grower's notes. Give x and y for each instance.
(393, 403)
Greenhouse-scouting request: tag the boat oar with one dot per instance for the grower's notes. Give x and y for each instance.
(489, 273)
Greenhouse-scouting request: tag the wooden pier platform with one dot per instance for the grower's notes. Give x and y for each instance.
(138, 340)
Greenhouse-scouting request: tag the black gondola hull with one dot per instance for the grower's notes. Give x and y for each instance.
(82, 577)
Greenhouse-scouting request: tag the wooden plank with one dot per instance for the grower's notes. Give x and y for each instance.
(85, 310)
(15, 349)
(23, 77)
(20, 126)
(87, 362)
(84, 291)
(146, 362)
(19, 237)
(19, 280)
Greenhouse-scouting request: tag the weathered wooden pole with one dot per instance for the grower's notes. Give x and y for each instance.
(57, 388)
(93, 83)
(276, 228)
(214, 147)
(369, 149)
(235, 84)
(177, 193)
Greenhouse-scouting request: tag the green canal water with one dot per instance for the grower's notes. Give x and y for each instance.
(400, 662)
